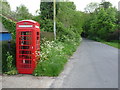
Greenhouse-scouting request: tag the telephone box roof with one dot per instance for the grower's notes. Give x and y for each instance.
(28, 21)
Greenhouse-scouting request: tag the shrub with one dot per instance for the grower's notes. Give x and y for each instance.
(10, 26)
(9, 61)
(8, 55)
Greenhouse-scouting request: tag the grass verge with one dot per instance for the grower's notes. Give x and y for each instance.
(114, 44)
(54, 55)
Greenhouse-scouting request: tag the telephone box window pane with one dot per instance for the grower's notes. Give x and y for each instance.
(26, 33)
(37, 38)
(25, 38)
(37, 33)
(25, 56)
(24, 47)
(24, 43)
(25, 52)
(27, 61)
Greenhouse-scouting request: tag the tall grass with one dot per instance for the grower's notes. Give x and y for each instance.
(54, 55)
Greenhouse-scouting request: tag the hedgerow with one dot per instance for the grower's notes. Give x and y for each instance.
(9, 54)
(9, 25)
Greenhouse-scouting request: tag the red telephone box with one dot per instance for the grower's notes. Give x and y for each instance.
(27, 46)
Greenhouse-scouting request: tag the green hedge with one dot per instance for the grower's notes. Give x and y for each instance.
(11, 50)
(0, 57)
(9, 25)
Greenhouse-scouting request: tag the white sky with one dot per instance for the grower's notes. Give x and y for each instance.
(33, 5)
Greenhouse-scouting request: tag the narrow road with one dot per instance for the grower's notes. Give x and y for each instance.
(93, 65)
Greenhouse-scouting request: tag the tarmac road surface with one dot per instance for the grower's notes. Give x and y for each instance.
(93, 65)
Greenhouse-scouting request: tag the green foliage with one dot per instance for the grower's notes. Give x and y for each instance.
(102, 23)
(64, 33)
(46, 25)
(9, 61)
(69, 21)
(12, 72)
(118, 19)
(46, 9)
(8, 56)
(22, 13)
(0, 57)
(87, 23)
(9, 25)
(54, 55)
(8, 65)
(65, 13)
(106, 5)
(114, 44)
(5, 8)
(52, 60)
(47, 35)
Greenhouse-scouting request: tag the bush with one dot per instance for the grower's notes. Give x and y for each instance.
(45, 25)
(10, 26)
(102, 25)
(9, 61)
(8, 56)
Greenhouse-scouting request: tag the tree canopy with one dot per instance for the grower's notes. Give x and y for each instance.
(5, 8)
(102, 22)
(22, 13)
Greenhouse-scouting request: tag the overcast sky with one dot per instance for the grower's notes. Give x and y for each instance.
(33, 5)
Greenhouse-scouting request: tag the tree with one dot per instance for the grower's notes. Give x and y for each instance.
(5, 7)
(22, 13)
(103, 24)
(88, 18)
(66, 13)
(46, 9)
(69, 20)
(106, 5)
